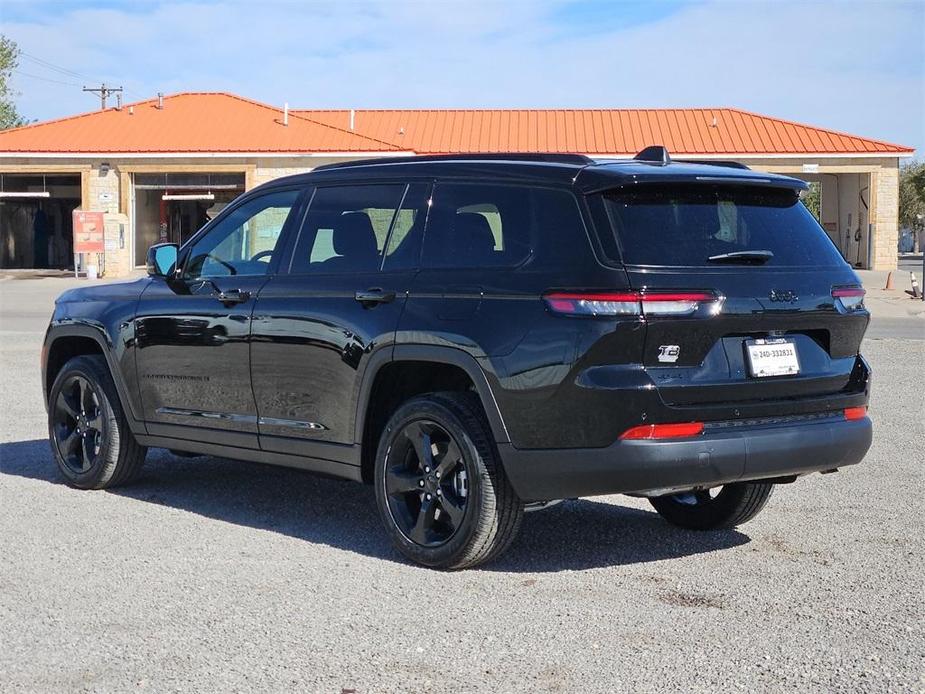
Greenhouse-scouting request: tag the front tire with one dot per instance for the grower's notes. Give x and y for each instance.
(724, 507)
(90, 438)
(440, 487)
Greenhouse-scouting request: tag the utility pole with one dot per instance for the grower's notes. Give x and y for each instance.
(104, 92)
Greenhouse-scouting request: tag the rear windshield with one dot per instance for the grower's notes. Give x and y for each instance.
(697, 225)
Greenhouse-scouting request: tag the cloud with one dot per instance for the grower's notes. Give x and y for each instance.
(849, 66)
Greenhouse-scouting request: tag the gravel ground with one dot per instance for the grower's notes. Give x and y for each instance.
(213, 575)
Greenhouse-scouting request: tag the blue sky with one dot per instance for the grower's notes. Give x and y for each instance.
(852, 66)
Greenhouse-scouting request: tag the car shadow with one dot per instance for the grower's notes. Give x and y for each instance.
(574, 535)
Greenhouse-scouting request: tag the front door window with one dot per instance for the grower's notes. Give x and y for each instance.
(243, 242)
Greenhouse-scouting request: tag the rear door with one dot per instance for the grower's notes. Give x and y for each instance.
(768, 308)
(333, 307)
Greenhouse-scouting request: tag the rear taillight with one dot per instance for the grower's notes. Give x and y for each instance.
(662, 431)
(850, 298)
(630, 303)
(852, 413)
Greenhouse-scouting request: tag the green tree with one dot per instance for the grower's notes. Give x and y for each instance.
(813, 200)
(912, 196)
(9, 59)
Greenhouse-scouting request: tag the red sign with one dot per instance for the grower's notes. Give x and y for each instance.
(88, 232)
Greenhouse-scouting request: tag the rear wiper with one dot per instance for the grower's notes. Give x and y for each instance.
(742, 256)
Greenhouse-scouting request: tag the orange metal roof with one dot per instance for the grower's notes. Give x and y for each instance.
(196, 122)
(189, 122)
(599, 131)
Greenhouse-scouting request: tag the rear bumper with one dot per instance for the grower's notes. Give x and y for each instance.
(709, 460)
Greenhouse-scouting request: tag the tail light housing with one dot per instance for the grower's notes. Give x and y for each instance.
(849, 298)
(852, 413)
(632, 303)
(662, 431)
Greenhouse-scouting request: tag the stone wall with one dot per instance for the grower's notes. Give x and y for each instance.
(103, 195)
(885, 217)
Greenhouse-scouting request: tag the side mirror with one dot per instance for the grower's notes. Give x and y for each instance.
(162, 260)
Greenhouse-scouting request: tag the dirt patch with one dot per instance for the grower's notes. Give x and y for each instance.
(683, 599)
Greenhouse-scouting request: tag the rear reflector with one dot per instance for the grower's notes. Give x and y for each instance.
(628, 303)
(662, 431)
(851, 298)
(855, 413)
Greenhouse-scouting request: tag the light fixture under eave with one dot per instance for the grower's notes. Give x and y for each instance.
(188, 196)
(25, 194)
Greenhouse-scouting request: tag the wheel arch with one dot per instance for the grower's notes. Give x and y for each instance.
(64, 342)
(435, 368)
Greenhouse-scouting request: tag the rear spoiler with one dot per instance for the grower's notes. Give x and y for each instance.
(660, 168)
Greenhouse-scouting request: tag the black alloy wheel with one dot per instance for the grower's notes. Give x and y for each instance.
(426, 484)
(712, 509)
(441, 490)
(91, 441)
(78, 424)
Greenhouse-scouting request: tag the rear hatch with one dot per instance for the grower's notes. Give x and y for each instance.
(766, 307)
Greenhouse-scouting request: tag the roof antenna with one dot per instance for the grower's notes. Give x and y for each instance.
(654, 154)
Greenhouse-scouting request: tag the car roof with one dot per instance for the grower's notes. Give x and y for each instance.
(574, 170)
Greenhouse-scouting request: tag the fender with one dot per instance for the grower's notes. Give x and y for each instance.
(439, 355)
(60, 330)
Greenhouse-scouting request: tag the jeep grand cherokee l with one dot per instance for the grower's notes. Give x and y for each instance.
(476, 334)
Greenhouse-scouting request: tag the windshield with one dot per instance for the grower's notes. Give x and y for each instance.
(707, 225)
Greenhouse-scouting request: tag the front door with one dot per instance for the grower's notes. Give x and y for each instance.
(193, 330)
(318, 323)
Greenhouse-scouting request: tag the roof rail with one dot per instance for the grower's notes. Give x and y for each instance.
(728, 163)
(654, 154)
(542, 157)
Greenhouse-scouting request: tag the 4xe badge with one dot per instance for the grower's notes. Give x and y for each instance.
(669, 353)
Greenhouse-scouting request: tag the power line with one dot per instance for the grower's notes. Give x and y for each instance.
(45, 79)
(52, 66)
(65, 71)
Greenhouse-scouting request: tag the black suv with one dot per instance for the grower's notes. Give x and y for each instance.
(477, 335)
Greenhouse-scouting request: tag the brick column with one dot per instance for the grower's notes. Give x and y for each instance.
(885, 217)
(104, 196)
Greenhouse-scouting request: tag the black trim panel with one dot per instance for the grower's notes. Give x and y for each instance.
(318, 465)
(704, 461)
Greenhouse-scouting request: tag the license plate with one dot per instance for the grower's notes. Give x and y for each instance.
(772, 357)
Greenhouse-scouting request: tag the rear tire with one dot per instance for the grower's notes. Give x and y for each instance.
(733, 505)
(440, 487)
(89, 434)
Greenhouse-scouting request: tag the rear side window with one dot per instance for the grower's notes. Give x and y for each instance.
(346, 228)
(494, 225)
(687, 225)
(478, 226)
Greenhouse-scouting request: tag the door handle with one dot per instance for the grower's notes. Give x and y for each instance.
(233, 296)
(374, 296)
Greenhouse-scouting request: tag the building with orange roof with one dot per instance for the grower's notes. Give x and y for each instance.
(158, 169)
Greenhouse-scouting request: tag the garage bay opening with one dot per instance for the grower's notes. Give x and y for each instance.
(171, 207)
(35, 220)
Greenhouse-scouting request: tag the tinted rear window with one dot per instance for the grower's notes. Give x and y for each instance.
(684, 225)
(476, 225)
